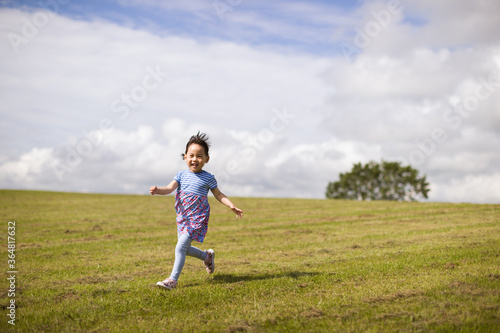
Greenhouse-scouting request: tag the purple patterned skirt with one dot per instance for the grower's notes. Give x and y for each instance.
(193, 212)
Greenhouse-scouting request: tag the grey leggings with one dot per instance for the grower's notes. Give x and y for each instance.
(182, 249)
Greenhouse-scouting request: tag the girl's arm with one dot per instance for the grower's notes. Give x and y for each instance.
(225, 201)
(165, 189)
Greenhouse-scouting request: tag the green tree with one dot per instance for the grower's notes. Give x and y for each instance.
(384, 181)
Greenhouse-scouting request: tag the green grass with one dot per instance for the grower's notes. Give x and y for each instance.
(89, 262)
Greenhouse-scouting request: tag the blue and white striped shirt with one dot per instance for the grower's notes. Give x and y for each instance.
(197, 183)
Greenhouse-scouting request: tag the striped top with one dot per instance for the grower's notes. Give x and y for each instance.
(196, 183)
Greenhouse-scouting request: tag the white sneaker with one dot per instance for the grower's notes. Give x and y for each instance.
(167, 284)
(210, 262)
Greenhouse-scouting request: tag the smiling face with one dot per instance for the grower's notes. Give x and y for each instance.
(196, 158)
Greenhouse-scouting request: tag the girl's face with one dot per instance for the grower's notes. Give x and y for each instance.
(196, 158)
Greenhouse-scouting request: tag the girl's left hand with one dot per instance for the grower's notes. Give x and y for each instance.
(238, 212)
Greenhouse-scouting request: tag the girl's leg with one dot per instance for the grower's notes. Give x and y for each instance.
(206, 256)
(197, 253)
(183, 243)
(182, 249)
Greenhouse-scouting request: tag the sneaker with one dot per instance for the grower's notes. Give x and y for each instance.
(209, 261)
(167, 283)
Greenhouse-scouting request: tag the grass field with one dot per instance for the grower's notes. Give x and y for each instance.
(88, 262)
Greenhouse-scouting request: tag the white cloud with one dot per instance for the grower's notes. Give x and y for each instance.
(214, 87)
(449, 22)
(412, 80)
(473, 189)
(76, 70)
(25, 171)
(67, 81)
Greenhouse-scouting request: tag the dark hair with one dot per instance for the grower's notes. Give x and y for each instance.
(199, 139)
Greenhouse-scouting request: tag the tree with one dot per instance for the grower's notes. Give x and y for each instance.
(374, 181)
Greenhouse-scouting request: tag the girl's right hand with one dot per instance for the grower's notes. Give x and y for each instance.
(153, 190)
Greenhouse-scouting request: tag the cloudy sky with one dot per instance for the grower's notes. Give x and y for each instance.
(102, 95)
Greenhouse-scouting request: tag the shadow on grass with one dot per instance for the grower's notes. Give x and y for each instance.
(235, 278)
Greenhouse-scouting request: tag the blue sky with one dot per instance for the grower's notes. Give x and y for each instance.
(202, 19)
(100, 96)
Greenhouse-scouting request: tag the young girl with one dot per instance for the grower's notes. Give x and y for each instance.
(191, 205)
